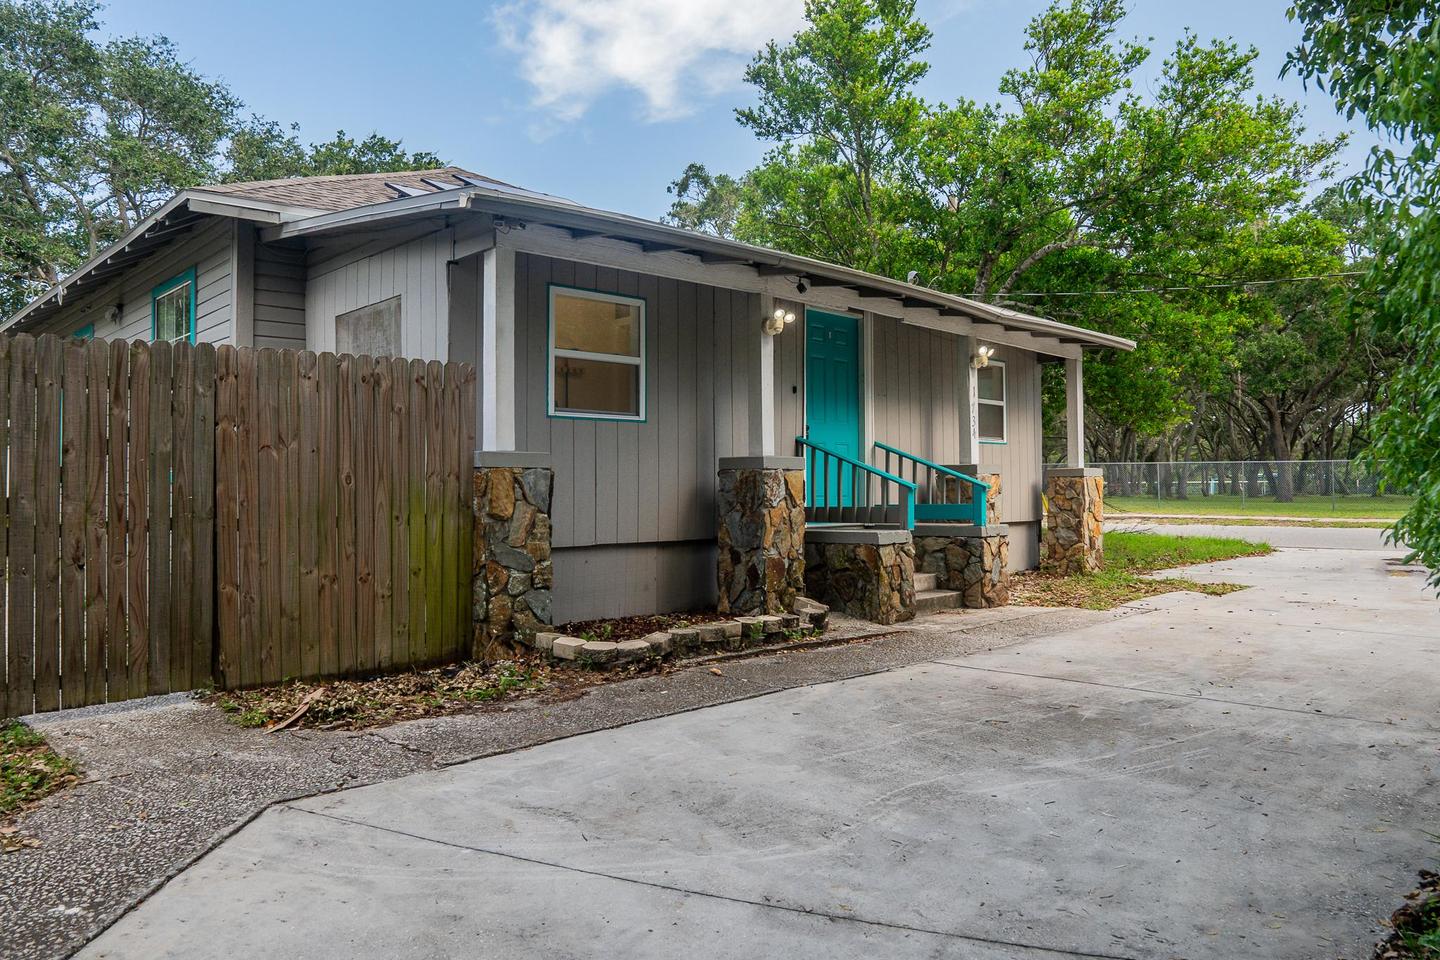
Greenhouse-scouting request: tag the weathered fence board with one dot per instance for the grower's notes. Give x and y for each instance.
(174, 515)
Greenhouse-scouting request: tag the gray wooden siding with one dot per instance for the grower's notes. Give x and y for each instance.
(617, 580)
(415, 271)
(207, 249)
(644, 482)
(279, 297)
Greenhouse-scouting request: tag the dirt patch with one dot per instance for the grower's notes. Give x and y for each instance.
(29, 770)
(1416, 925)
(378, 701)
(616, 629)
(1101, 591)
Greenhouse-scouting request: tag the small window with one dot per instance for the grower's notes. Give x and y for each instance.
(172, 308)
(991, 388)
(597, 355)
(372, 330)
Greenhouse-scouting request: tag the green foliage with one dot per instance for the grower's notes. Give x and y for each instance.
(261, 149)
(95, 135)
(1076, 182)
(1379, 62)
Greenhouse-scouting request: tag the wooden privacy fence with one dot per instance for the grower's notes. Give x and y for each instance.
(177, 515)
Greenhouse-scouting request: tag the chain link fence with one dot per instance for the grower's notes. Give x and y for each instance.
(1250, 486)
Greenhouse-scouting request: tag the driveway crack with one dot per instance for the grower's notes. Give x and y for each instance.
(726, 898)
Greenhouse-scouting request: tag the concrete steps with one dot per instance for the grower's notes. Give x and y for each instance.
(933, 601)
(926, 581)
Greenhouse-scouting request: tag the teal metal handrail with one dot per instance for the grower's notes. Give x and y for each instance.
(851, 502)
(939, 507)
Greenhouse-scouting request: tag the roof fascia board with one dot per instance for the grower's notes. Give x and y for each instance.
(602, 226)
(457, 199)
(58, 291)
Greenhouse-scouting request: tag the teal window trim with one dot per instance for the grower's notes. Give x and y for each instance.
(550, 355)
(86, 332)
(178, 280)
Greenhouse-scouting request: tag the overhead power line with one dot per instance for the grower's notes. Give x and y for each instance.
(1176, 289)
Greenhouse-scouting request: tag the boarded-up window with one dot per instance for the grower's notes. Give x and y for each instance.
(597, 355)
(991, 387)
(372, 330)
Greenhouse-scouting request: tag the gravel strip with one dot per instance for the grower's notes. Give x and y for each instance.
(168, 778)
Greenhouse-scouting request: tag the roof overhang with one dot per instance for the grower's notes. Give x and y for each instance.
(654, 238)
(180, 216)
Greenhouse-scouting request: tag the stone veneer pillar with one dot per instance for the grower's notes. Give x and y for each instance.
(972, 560)
(761, 532)
(957, 491)
(868, 574)
(512, 576)
(1073, 540)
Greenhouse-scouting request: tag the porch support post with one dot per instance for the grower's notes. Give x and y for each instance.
(1074, 412)
(970, 392)
(762, 391)
(497, 349)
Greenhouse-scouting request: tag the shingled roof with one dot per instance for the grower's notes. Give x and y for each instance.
(346, 191)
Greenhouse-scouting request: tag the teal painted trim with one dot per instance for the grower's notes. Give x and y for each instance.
(86, 332)
(973, 511)
(995, 443)
(908, 490)
(176, 281)
(550, 413)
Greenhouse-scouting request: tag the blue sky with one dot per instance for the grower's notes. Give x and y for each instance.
(603, 101)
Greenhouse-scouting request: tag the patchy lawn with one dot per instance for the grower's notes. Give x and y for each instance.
(1129, 557)
(377, 701)
(29, 770)
(1384, 506)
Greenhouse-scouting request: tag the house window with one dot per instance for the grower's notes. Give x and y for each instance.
(991, 388)
(372, 330)
(172, 308)
(597, 355)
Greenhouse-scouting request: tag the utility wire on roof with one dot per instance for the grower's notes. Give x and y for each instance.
(1192, 286)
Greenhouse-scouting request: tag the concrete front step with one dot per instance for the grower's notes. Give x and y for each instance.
(932, 601)
(926, 581)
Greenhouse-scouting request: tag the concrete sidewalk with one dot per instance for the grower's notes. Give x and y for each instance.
(1244, 776)
(1315, 538)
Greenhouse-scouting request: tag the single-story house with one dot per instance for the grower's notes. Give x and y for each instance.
(633, 354)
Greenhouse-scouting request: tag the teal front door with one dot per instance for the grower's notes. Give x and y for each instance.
(832, 403)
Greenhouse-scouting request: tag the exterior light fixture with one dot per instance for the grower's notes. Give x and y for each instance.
(777, 321)
(802, 285)
(982, 357)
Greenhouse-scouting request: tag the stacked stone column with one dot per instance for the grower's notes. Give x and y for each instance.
(761, 533)
(957, 491)
(512, 576)
(1073, 540)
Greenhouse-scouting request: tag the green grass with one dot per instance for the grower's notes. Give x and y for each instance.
(1148, 552)
(1382, 507)
(1128, 558)
(29, 769)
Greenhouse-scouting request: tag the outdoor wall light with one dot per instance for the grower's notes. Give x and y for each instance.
(802, 285)
(982, 357)
(778, 320)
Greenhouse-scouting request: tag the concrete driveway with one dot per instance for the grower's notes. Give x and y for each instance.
(1247, 776)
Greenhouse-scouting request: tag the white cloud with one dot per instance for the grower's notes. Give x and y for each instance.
(672, 52)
